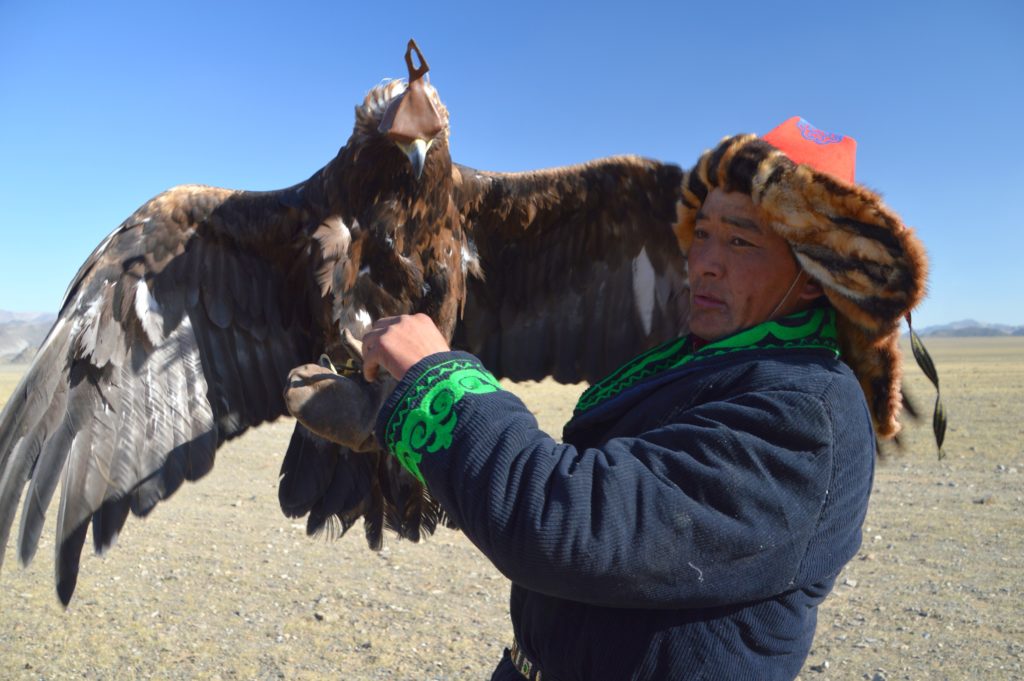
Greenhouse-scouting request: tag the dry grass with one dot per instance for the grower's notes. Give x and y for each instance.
(10, 374)
(936, 588)
(217, 584)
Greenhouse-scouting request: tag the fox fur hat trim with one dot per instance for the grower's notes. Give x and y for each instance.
(871, 266)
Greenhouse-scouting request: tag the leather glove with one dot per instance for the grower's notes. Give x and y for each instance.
(337, 408)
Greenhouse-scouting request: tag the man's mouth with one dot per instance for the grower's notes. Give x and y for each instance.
(707, 302)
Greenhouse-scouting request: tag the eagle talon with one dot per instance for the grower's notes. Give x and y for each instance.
(354, 364)
(352, 345)
(326, 363)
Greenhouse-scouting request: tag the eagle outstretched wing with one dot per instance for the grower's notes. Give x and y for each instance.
(175, 335)
(579, 267)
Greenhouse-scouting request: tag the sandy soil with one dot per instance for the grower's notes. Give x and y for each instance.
(217, 584)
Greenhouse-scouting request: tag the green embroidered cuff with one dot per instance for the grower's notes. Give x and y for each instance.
(424, 418)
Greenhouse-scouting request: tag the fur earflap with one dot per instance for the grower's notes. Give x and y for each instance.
(871, 266)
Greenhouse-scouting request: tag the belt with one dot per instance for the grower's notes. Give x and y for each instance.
(528, 670)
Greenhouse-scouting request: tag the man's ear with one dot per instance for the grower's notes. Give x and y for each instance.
(811, 290)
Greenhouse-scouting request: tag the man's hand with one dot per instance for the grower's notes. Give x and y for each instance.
(397, 343)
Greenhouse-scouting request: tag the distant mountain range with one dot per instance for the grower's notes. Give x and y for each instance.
(22, 332)
(6, 317)
(971, 328)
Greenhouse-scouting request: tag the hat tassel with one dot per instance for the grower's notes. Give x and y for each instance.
(924, 361)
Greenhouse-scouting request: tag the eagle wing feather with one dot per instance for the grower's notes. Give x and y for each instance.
(579, 268)
(175, 336)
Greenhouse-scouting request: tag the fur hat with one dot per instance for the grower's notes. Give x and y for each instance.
(871, 266)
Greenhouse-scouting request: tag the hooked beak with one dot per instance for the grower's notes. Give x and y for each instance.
(416, 152)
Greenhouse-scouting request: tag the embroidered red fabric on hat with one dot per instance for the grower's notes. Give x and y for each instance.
(824, 151)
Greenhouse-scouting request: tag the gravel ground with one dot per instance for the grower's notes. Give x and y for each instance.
(217, 584)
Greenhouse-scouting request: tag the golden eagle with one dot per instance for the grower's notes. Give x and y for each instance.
(179, 331)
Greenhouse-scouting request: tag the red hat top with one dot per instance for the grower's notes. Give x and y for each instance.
(824, 151)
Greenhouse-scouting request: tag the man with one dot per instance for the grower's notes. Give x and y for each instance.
(707, 493)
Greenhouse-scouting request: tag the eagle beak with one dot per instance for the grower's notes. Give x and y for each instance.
(416, 152)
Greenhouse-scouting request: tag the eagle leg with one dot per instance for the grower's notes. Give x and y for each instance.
(352, 345)
(354, 364)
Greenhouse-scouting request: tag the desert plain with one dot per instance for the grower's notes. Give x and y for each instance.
(217, 584)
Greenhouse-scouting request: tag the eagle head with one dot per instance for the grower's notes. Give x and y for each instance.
(408, 113)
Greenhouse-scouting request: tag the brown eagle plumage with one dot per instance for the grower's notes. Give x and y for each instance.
(179, 331)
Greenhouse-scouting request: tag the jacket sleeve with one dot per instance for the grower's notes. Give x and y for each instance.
(715, 507)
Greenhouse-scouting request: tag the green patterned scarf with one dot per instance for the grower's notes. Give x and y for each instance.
(812, 328)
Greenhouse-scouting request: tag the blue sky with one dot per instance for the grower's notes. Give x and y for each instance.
(103, 105)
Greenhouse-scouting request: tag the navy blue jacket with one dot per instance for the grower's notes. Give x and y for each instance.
(687, 528)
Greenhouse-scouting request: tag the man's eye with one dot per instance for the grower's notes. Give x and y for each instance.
(700, 233)
(736, 241)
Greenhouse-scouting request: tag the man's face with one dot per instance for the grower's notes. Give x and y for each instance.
(739, 268)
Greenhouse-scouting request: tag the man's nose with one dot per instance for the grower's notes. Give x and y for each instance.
(706, 260)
